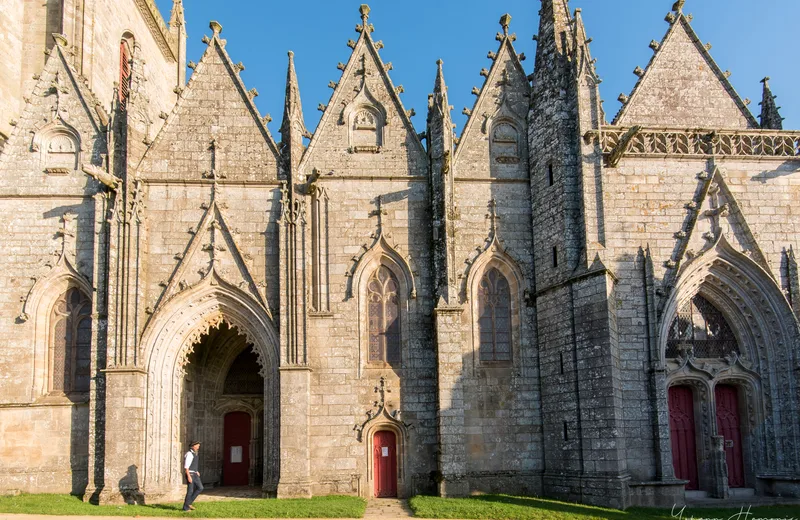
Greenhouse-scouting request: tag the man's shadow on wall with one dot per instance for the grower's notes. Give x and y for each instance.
(129, 487)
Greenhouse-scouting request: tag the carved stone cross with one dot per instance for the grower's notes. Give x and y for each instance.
(492, 216)
(379, 212)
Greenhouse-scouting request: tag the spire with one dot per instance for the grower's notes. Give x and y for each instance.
(770, 117)
(177, 30)
(293, 128)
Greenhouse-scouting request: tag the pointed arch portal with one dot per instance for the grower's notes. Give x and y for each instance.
(192, 344)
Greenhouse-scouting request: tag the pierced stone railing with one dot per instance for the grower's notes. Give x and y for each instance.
(637, 141)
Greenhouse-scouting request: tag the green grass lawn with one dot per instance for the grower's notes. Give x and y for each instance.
(317, 507)
(504, 507)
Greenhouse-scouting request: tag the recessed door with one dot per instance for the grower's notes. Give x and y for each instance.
(384, 446)
(728, 425)
(682, 434)
(236, 464)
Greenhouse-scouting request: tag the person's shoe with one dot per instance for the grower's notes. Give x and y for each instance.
(185, 510)
(191, 507)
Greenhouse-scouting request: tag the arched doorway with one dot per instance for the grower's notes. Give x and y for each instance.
(190, 344)
(223, 399)
(384, 449)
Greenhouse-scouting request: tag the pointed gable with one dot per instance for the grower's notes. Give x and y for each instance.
(214, 108)
(365, 128)
(213, 254)
(684, 87)
(60, 129)
(494, 140)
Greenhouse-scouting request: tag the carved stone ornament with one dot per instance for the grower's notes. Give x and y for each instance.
(380, 412)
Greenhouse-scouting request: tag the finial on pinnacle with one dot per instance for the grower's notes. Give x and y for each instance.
(439, 62)
(505, 21)
(678, 6)
(291, 55)
(364, 10)
(766, 79)
(215, 26)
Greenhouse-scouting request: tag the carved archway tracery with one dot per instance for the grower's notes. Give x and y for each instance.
(767, 332)
(171, 335)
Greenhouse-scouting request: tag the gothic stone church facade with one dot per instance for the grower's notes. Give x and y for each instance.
(547, 304)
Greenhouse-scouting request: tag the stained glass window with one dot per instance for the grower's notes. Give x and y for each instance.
(71, 344)
(701, 327)
(384, 316)
(494, 317)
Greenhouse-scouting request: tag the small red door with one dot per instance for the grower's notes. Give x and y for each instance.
(728, 426)
(681, 429)
(384, 447)
(236, 462)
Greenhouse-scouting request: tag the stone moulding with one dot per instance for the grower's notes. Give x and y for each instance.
(701, 143)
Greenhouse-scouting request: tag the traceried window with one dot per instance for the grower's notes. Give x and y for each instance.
(124, 72)
(505, 143)
(70, 344)
(384, 316)
(494, 317)
(701, 327)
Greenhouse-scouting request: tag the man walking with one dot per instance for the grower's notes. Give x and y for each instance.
(194, 486)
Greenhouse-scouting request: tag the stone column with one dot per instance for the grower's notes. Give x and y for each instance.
(452, 439)
(295, 472)
(124, 434)
(719, 468)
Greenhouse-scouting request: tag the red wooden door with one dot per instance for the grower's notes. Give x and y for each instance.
(236, 451)
(384, 447)
(682, 434)
(727, 399)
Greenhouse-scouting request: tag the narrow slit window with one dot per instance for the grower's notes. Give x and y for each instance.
(551, 178)
(555, 256)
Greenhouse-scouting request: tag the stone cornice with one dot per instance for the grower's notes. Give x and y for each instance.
(158, 28)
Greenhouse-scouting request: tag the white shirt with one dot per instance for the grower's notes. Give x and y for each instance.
(188, 459)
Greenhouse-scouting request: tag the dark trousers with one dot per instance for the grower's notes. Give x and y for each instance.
(193, 488)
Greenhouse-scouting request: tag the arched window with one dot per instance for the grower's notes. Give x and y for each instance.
(71, 343)
(505, 143)
(384, 316)
(494, 317)
(701, 328)
(125, 56)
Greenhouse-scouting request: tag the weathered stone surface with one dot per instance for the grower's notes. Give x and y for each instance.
(533, 269)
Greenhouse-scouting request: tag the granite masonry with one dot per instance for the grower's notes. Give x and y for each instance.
(548, 304)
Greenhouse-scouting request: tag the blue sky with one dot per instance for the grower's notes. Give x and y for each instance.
(750, 39)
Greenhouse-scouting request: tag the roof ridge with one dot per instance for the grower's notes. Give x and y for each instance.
(677, 18)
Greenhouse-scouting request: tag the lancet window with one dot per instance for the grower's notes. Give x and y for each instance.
(70, 343)
(384, 316)
(494, 317)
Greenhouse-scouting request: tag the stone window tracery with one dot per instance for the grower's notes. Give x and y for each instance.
(494, 317)
(701, 328)
(71, 341)
(384, 316)
(505, 143)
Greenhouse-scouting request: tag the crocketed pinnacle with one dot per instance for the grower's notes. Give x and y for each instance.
(177, 17)
(293, 127)
(770, 116)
